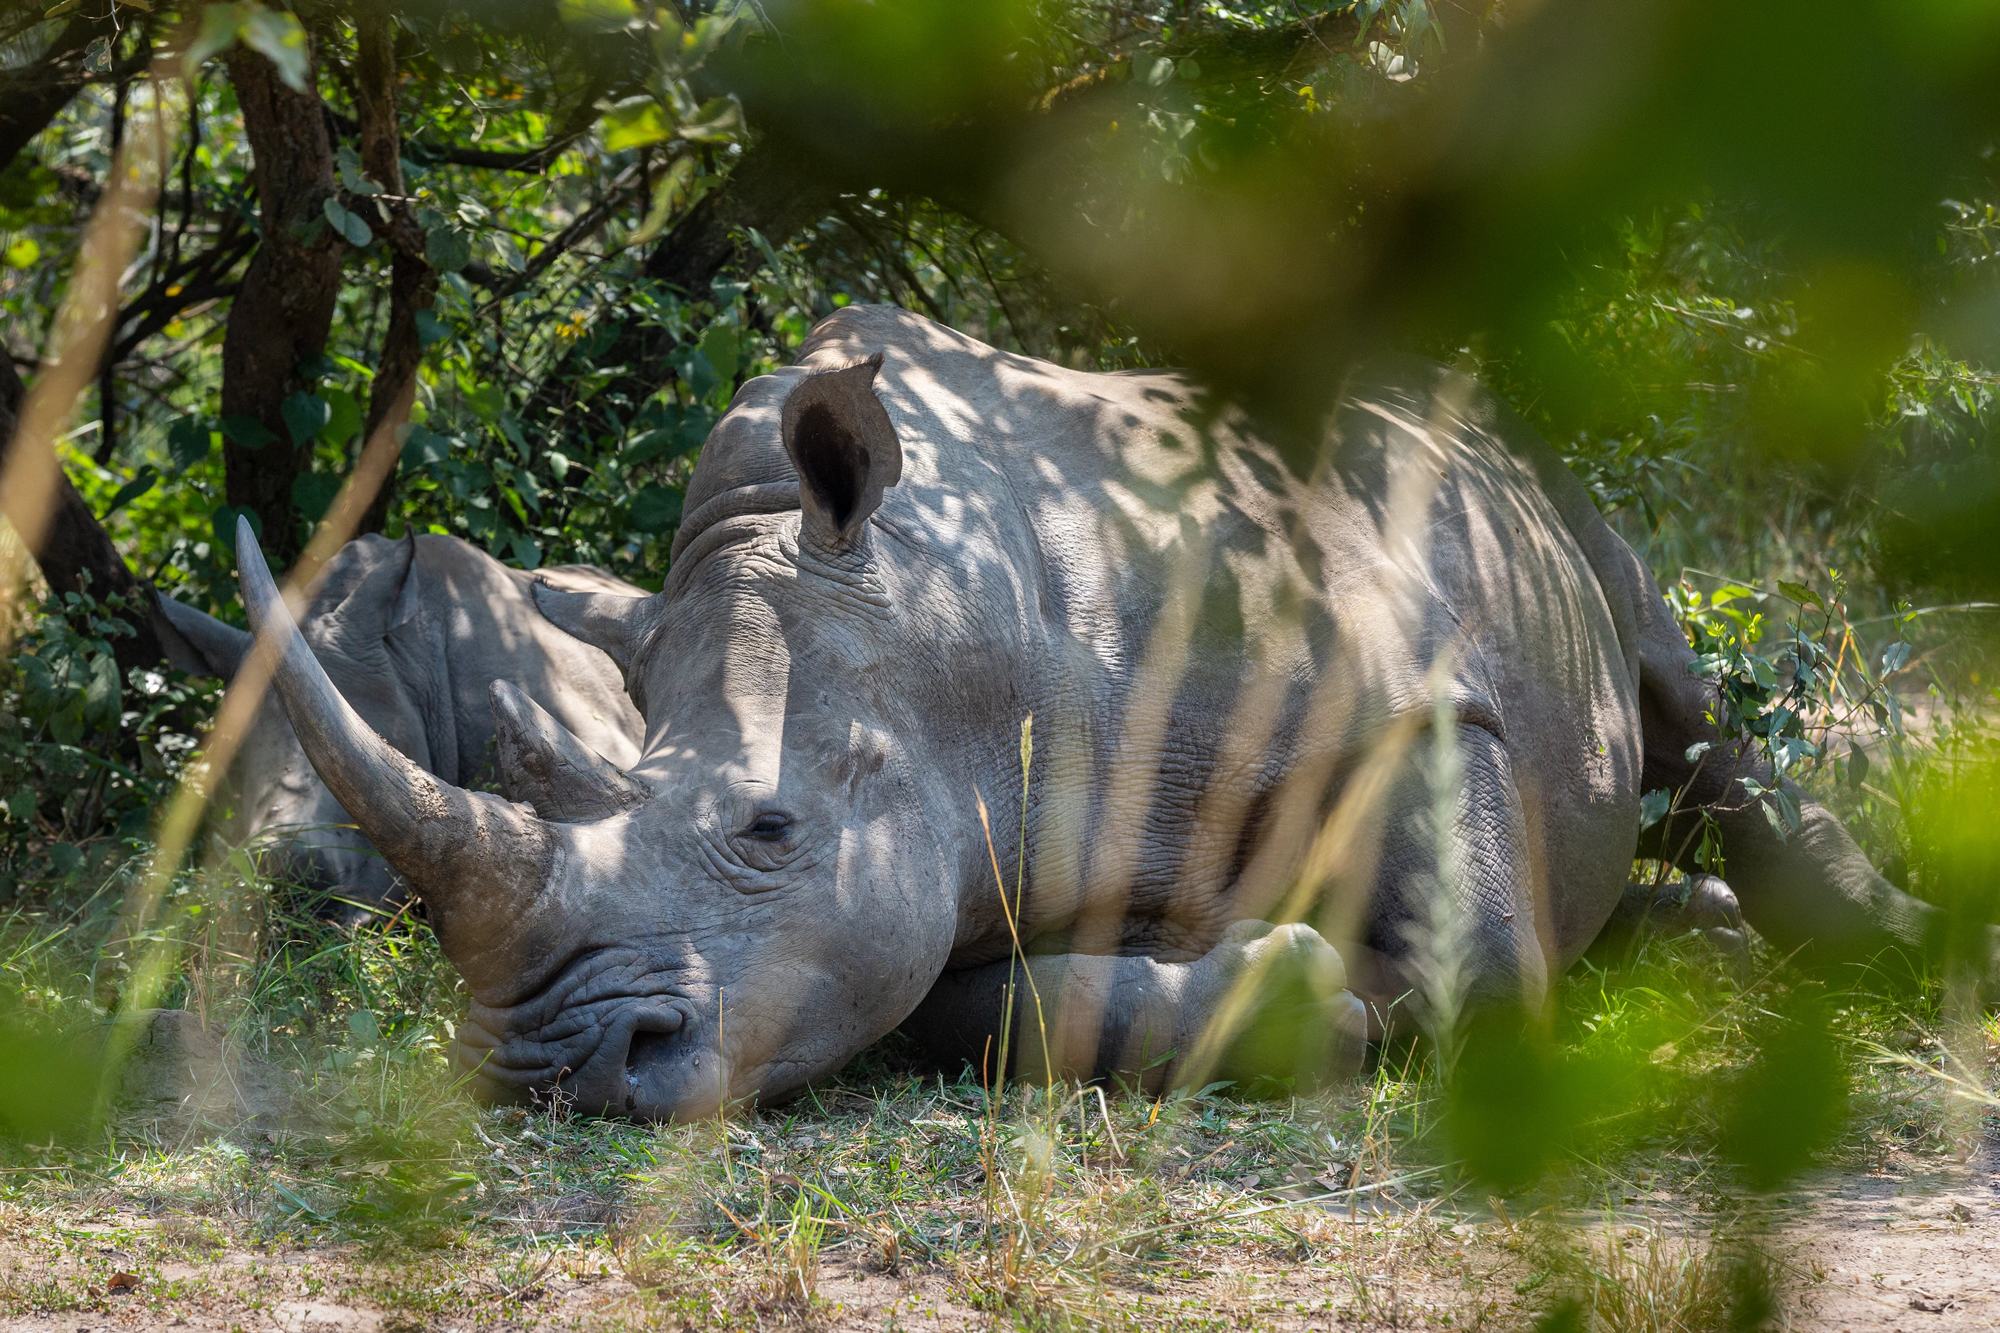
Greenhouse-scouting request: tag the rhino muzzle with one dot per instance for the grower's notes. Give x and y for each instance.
(644, 1060)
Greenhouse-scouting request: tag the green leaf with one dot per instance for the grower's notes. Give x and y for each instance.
(668, 195)
(312, 494)
(1653, 807)
(352, 178)
(430, 329)
(22, 252)
(306, 415)
(598, 15)
(1895, 657)
(634, 123)
(246, 432)
(1789, 1105)
(655, 508)
(723, 348)
(101, 694)
(279, 38)
(216, 34)
(344, 422)
(351, 226)
(1800, 593)
(133, 489)
(447, 249)
(424, 447)
(1857, 768)
(188, 442)
(717, 120)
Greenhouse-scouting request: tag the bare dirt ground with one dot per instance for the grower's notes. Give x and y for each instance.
(1901, 1249)
(1912, 1246)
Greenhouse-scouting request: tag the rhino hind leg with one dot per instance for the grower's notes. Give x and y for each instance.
(1696, 904)
(1810, 891)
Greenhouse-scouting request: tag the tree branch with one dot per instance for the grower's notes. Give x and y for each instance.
(412, 282)
(75, 552)
(34, 95)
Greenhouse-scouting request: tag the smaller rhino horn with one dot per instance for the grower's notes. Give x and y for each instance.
(541, 762)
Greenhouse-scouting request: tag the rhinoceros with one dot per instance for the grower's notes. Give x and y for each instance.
(414, 632)
(977, 680)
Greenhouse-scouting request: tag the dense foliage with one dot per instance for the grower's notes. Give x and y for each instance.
(1741, 266)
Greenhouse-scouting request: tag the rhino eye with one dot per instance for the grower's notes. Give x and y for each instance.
(768, 827)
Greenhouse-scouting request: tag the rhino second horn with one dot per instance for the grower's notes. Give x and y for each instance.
(198, 643)
(541, 761)
(453, 846)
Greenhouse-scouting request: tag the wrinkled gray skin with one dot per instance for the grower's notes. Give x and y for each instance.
(1433, 639)
(413, 633)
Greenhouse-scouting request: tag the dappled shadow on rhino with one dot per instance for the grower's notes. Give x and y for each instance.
(412, 633)
(1403, 702)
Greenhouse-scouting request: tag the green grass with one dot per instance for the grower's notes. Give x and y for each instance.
(896, 1189)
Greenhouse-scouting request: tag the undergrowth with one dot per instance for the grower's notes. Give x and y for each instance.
(1031, 1206)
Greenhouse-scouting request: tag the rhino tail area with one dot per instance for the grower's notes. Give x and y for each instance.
(1810, 890)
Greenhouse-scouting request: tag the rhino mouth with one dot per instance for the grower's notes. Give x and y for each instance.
(605, 1038)
(603, 1058)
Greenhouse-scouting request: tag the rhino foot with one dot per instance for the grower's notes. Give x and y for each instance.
(1277, 1007)
(1699, 904)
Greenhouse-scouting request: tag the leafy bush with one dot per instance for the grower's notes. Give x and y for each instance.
(87, 755)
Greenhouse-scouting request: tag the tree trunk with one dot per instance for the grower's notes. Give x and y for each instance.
(281, 315)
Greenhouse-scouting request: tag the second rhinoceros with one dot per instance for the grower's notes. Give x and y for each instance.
(1413, 693)
(414, 632)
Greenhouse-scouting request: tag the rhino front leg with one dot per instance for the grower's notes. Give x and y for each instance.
(1265, 1001)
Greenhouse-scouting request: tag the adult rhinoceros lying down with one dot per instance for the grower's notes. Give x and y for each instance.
(1426, 684)
(413, 632)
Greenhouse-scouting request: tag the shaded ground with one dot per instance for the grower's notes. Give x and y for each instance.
(1917, 1248)
(897, 1203)
(307, 1163)
(1893, 1251)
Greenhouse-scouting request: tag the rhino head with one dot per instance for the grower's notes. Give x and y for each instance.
(772, 887)
(272, 798)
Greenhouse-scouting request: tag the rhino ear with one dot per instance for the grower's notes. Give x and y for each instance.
(845, 450)
(198, 643)
(616, 623)
(541, 762)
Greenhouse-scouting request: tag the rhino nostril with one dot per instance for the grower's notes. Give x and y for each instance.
(652, 1039)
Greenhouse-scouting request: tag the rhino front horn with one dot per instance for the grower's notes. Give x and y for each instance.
(455, 847)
